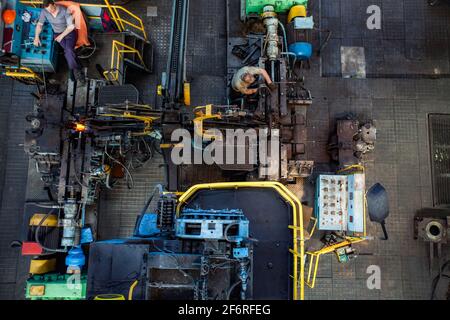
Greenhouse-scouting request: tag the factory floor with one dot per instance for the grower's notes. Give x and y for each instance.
(407, 66)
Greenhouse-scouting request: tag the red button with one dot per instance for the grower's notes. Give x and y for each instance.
(31, 249)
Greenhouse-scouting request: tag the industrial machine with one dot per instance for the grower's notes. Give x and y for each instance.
(191, 247)
(105, 27)
(279, 114)
(351, 141)
(213, 240)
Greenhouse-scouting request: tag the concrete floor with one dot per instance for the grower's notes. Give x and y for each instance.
(397, 99)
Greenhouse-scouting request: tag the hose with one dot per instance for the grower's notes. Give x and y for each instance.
(226, 231)
(44, 205)
(438, 278)
(123, 166)
(284, 35)
(324, 44)
(130, 292)
(158, 187)
(36, 235)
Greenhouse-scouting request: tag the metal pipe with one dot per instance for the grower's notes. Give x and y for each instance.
(169, 56)
(182, 49)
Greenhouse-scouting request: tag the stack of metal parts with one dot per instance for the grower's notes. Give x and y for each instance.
(352, 141)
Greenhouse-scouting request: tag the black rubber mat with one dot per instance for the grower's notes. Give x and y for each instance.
(412, 42)
(118, 94)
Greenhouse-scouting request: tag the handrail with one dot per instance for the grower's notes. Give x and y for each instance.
(297, 225)
(117, 50)
(23, 73)
(115, 11)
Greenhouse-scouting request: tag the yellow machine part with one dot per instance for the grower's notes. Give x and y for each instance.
(187, 93)
(109, 297)
(37, 291)
(51, 221)
(38, 266)
(296, 11)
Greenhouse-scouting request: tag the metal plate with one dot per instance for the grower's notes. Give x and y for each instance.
(117, 94)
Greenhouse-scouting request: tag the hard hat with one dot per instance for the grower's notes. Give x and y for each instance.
(9, 16)
(296, 11)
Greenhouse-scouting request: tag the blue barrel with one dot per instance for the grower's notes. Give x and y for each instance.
(302, 50)
(75, 258)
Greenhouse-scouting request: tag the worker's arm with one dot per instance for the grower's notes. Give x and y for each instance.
(37, 32)
(37, 41)
(68, 30)
(70, 27)
(249, 91)
(266, 76)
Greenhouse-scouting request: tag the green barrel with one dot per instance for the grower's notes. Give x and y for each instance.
(255, 7)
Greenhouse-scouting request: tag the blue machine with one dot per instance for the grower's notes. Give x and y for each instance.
(230, 225)
(75, 259)
(146, 225)
(36, 58)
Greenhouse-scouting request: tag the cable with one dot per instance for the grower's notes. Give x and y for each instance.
(232, 288)
(324, 44)
(130, 292)
(227, 228)
(44, 79)
(438, 278)
(44, 205)
(159, 188)
(94, 48)
(36, 235)
(123, 166)
(284, 37)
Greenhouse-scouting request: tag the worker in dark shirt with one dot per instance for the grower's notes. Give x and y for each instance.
(64, 29)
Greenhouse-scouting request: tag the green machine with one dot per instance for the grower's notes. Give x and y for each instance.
(56, 287)
(251, 8)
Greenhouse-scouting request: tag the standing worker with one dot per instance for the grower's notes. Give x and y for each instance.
(64, 28)
(246, 76)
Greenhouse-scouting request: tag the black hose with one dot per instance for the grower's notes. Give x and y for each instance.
(159, 188)
(36, 235)
(232, 288)
(438, 278)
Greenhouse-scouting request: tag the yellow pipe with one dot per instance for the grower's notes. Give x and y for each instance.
(22, 72)
(285, 194)
(130, 292)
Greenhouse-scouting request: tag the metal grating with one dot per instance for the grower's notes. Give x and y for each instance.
(439, 128)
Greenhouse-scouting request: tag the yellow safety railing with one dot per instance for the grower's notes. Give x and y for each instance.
(117, 51)
(314, 256)
(124, 19)
(298, 241)
(24, 74)
(201, 114)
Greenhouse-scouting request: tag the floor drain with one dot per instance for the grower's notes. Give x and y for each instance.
(439, 128)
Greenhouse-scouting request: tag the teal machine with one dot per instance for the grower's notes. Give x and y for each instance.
(18, 40)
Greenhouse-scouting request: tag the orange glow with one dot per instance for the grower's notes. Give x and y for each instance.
(9, 16)
(80, 127)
